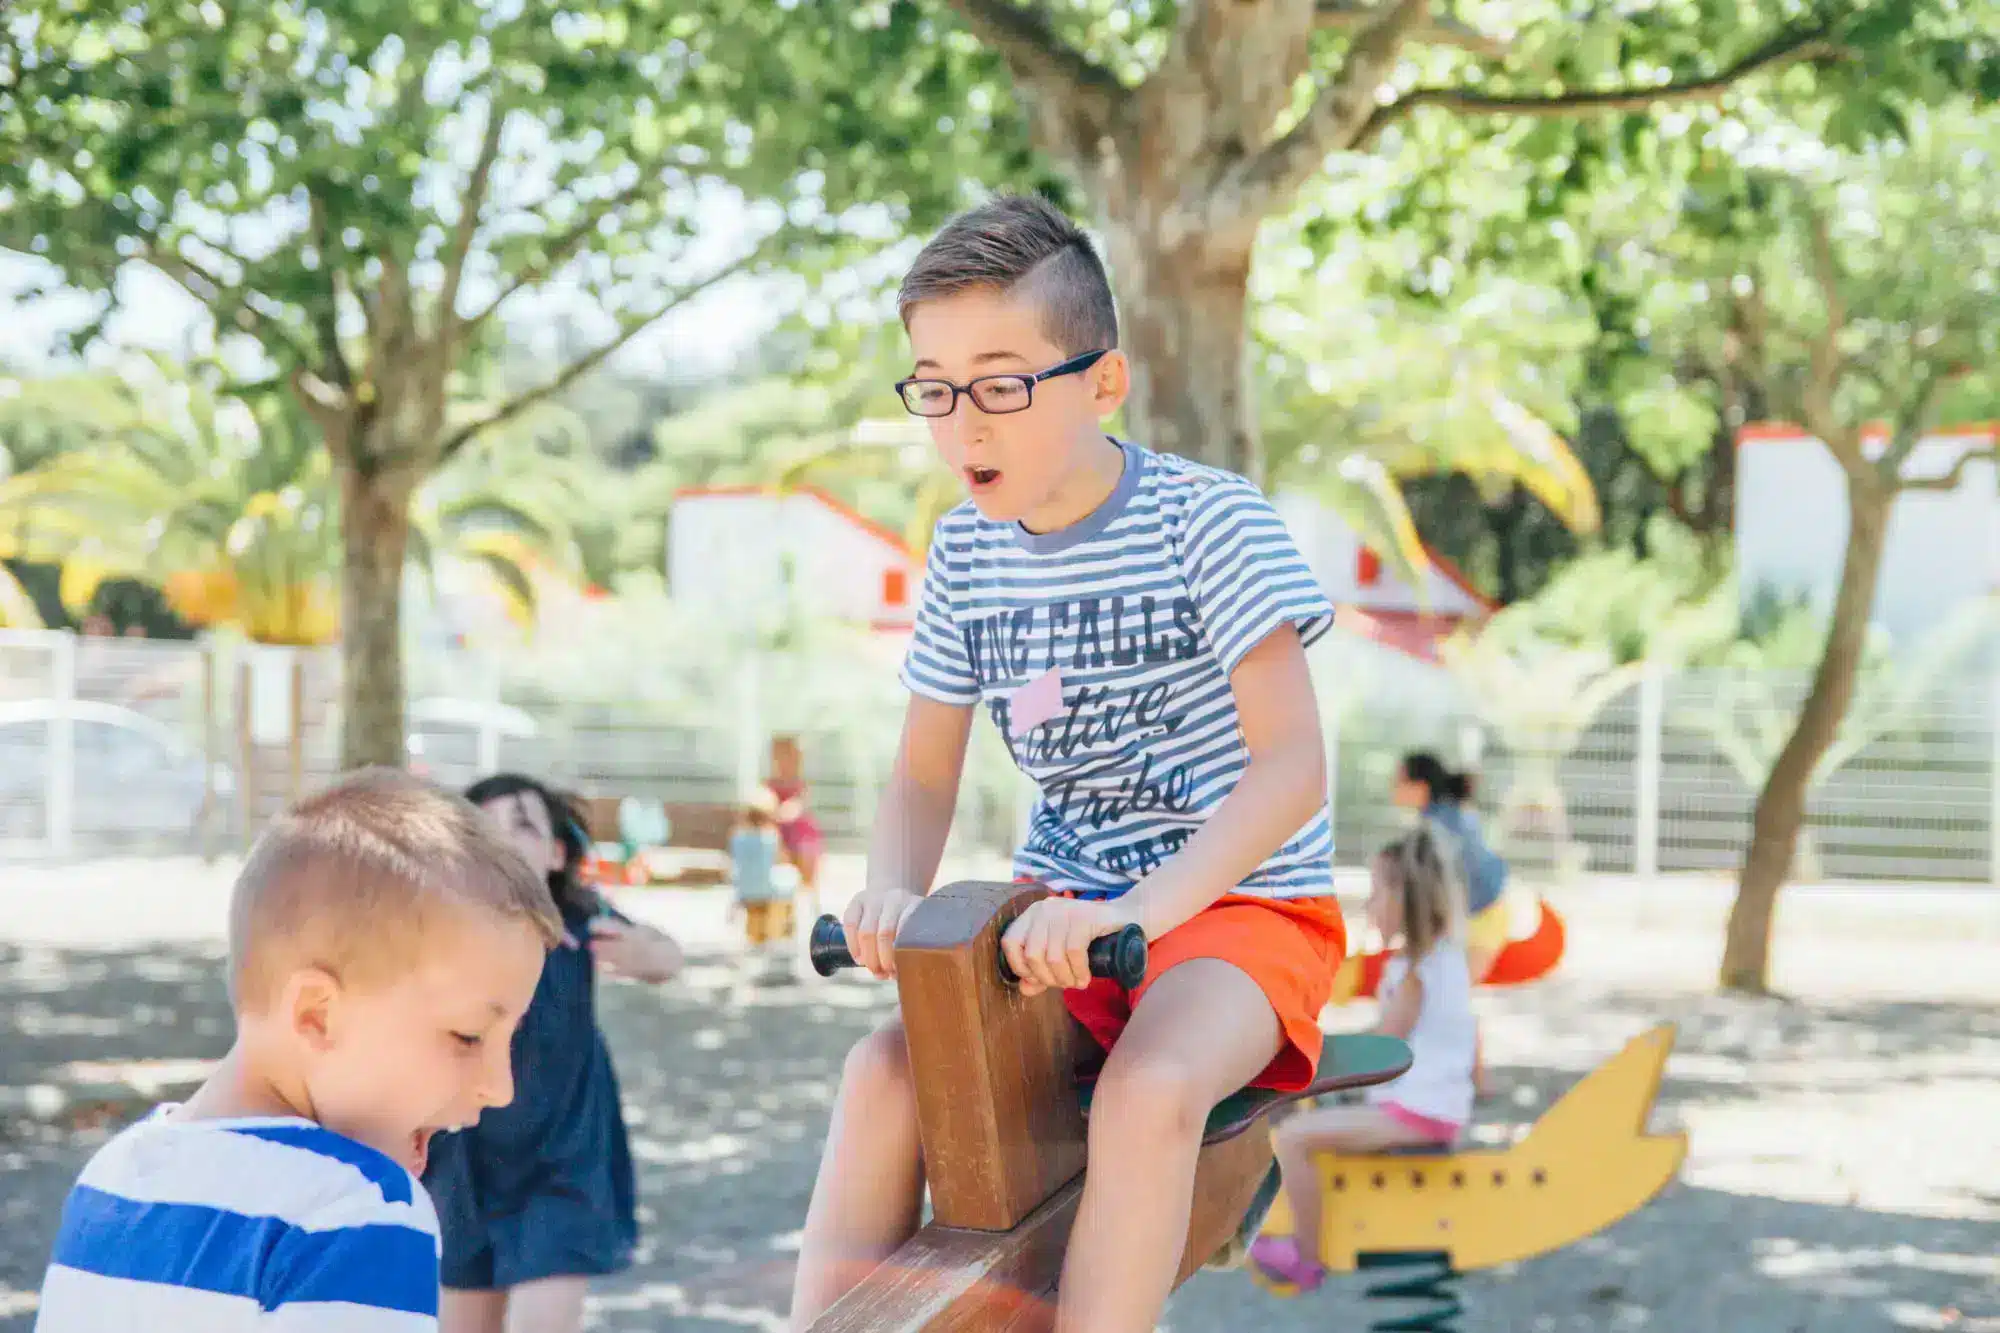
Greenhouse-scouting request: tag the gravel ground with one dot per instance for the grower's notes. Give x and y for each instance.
(1844, 1171)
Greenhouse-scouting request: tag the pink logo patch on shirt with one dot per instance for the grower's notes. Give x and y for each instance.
(1035, 703)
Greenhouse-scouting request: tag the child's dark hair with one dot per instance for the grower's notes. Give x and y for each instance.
(1422, 867)
(565, 821)
(1020, 244)
(1422, 766)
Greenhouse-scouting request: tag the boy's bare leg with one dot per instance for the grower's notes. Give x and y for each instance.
(1203, 1030)
(1352, 1129)
(870, 1190)
(468, 1311)
(547, 1305)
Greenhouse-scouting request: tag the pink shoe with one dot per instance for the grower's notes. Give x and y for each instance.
(1277, 1259)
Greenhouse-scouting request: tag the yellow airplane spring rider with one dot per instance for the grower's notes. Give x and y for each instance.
(1353, 1195)
(1586, 1163)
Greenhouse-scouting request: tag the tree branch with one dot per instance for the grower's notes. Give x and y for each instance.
(1066, 80)
(1787, 48)
(1434, 31)
(213, 292)
(327, 318)
(1951, 479)
(627, 330)
(1823, 357)
(566, 244)
(470, 205)
(1907, 430)
(1266, 180)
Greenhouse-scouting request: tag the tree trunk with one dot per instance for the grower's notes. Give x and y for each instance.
(375, 530)
(1183, 316)
(1781, 806)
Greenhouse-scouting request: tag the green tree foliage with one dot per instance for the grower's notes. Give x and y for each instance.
(365, 193)
(1189, 125)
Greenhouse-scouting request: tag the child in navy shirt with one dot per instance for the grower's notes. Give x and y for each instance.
(537, 1198)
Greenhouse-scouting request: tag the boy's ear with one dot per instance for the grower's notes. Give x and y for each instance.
(1110, 382)
(309, 1001)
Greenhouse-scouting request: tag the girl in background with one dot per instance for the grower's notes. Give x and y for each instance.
(1427, 1001)
(753, 861)
(1444, 798)
(797, 829)
(538, 1197)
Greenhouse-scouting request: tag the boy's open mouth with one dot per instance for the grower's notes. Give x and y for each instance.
(982, 478)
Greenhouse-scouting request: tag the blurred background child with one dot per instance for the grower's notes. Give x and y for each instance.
(538, 1197)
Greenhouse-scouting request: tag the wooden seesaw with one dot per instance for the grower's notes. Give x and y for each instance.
(1435, 1214)
(1002, 1097)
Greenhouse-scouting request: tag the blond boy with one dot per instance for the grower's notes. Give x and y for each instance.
(384, 942)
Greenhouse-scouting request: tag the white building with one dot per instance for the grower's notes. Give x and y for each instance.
(735, 547)
(731, 548)
(1374, 601)
(1791, 525)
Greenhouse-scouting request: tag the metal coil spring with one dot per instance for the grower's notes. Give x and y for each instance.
(1433, 1281)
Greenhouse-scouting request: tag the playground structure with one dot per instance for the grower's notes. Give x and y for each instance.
(1001, 1108)
(1003, 1094)
(1586, 1163)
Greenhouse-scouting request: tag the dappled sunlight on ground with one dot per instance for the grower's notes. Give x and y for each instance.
(1844, 1173)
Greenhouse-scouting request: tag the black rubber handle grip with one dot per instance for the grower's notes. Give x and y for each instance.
(1119, 957)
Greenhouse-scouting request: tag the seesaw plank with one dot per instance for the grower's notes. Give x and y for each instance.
(951, 1280)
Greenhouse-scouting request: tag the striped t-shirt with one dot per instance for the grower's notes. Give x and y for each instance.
(276, 1225)
(1102, 652)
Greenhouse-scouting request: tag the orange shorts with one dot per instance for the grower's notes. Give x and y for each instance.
(1290, 947)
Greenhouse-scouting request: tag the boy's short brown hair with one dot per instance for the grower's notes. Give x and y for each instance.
(1020, 244)
(348, 878)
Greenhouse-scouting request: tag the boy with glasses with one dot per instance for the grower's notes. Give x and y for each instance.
(1135, 624)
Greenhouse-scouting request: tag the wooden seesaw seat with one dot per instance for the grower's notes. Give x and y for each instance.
(1001, 1116)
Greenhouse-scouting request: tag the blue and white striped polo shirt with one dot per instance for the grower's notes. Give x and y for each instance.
(275, 1225)
(1143, 609)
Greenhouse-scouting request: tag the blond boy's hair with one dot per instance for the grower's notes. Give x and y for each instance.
(349, 878)
(1422, 867)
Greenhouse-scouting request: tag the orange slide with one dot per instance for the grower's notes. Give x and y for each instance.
(1528, 959)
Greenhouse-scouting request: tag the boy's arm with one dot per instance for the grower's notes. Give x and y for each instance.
(910, 827)
(1282, 787)
(914, 816)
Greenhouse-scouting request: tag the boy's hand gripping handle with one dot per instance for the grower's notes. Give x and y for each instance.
(1119, 957)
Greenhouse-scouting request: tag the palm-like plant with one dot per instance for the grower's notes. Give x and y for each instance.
(1541, 698)
(1360, 392)
(230, 508)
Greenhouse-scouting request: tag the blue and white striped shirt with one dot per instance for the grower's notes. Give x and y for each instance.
(1143, 609)
(275, 1225)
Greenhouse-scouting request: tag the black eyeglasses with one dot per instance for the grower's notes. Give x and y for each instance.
(995, 395)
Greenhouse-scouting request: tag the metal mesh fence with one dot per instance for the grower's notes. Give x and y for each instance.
(107, 745)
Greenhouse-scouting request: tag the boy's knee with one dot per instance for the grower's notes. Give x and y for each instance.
(1153, 1097)
(878, 1068)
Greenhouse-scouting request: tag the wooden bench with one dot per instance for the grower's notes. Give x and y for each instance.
(697, 850)
(1001, 1114)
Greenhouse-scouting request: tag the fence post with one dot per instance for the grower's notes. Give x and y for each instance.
(1646, 785)
(750, 742)
(59, 804)
(1993, 783)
